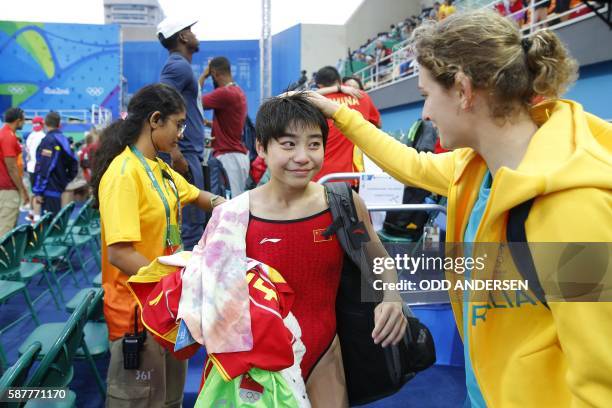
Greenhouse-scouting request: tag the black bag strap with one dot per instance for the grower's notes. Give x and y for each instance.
(346, 220)
(351, 233)
(521, 255)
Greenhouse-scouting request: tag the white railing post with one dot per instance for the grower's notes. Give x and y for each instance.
(533, 16)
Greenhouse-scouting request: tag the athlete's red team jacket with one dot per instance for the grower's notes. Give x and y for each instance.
(270, 302)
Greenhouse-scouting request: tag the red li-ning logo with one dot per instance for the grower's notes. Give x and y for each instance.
(319, 237)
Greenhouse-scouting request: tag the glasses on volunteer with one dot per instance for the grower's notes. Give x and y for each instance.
(181, 125)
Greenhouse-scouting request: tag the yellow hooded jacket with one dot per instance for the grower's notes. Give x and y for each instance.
(529, 355)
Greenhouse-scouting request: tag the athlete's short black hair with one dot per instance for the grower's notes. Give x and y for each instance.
(278, 114)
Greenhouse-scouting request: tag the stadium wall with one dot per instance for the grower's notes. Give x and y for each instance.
(143, 62)
(286, 58)
(321, 45)
(59, 66)
(592, 90)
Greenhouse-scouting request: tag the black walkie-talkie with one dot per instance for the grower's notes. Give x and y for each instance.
(132, 345)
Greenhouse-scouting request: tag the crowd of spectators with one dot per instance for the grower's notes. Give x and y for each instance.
(379, 52)
(521, 10)
(376, 50)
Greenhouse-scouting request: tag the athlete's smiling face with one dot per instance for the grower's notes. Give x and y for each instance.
(296, 156)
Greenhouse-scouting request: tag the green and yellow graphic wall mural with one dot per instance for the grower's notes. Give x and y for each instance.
(59, 66)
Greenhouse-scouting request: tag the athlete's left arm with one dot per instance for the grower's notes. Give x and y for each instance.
(389, 320)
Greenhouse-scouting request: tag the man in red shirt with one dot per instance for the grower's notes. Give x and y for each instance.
(11, 185)
(340, 153)
(230, 108)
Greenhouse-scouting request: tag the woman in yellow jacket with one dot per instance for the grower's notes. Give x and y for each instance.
(478, 77)
(140, 199)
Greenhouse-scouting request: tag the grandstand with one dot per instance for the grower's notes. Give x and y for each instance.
(88, 72)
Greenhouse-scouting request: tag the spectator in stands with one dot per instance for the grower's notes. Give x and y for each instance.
(140, 199)
(340, 153)
(433, 14)
(541, 163)
(353, 81)
(446, 10)
(300, 84)
(56, 166)
(381, 52)
(407, 29)
(176, 36)
(561, 6)
(394, 32)
(303, 78)
(229, 106)
(541, 12)
(12, 190)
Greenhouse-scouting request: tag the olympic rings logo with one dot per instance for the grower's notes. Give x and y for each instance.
(94, 91)
(16, 89)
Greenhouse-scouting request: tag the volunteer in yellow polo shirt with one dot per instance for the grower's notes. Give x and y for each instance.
(140, 199)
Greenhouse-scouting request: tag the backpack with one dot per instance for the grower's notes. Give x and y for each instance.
(248, 138)
(218, 181)
(409, 224)
(372, 372)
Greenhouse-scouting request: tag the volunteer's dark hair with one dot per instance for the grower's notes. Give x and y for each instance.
(327, 76)
(53, 119)
(278, 114)
(124, 132)
(13, 114)
(220, 64)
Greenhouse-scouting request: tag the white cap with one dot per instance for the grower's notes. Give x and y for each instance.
(172, 25)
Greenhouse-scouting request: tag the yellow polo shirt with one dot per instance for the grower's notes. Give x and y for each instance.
(132, 211)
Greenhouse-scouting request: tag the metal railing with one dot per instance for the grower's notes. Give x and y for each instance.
(401, 64)
(383, 207)
(96, 115)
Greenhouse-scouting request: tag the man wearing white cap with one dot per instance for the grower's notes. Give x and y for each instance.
(176, 36)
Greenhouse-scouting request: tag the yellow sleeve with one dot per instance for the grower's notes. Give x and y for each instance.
(119, 208)
(358, 163)
(433, 172)
(188, 193)
(584, 333)
(583, 328)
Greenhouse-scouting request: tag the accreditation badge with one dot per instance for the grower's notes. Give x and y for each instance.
(173, 242)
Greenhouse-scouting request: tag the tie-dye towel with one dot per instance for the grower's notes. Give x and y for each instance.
(215, 300)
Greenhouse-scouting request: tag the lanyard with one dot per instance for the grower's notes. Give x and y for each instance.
(144, 163)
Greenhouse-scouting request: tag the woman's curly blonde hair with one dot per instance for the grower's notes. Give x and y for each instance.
(491, 52)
